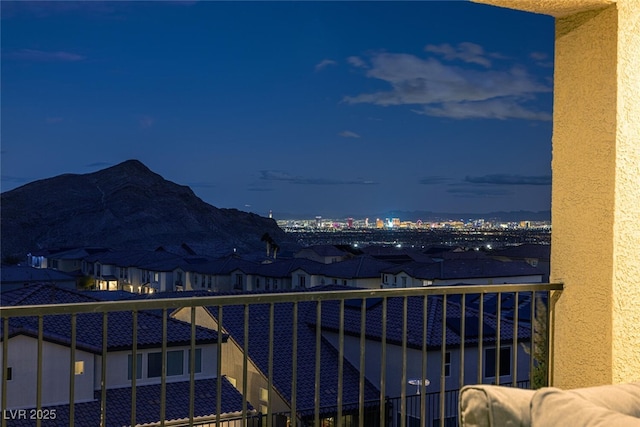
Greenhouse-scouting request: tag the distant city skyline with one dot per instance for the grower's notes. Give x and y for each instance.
(329, 108)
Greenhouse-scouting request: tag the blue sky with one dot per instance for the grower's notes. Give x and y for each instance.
(323, 108)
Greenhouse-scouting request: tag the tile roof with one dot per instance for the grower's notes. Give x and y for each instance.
(258, 351)
(465, 269)
(57, 328)
(284, 268)
(415, 306)
(363, 266)
(118, 408)
(542, 252)
(325, 250)
(15, 273)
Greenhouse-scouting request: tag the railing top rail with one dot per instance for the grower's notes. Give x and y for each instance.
(265, 298)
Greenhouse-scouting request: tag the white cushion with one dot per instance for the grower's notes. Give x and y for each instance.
(489, 405)
(611, 405)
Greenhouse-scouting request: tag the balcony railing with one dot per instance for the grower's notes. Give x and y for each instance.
(387, 357)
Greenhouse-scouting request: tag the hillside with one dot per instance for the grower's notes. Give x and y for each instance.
(124, 206)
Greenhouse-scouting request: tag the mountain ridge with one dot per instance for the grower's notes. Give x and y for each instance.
(123, 206)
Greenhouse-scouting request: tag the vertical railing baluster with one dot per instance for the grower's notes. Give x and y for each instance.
(72, 369)
(443, 352)
(480, 337)
(5, 364)
(463, 324)
(163, 377)
(270, 364)
(423, 364)
(498, 337)
(514, 342)
(294, 367)
(219, 369)
(403, 380)
(103, 371)
(340, 362)
(316, 411)
(547, 338)
(532, 342)
(192, 365)
(134, 365)
(245, 365)
(39, 369)
(383, 363)
(363, 339)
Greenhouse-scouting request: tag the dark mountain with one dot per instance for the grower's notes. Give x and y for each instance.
(124, 206)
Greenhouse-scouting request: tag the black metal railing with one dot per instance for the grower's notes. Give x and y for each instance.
(327, 357)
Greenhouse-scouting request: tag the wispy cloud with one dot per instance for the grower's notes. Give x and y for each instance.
(356, 61)
(504, 108)
(260, 189)
(479, 192)
(467, 52)
(98, 165)
(273, 175)
(450, 91)
(324, 64)
(541, 59)
(504, 179)
(348, 134)
(434, 179)
(46, 56)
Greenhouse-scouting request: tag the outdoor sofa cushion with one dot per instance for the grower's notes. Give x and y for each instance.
(487, 405)
(609, 405)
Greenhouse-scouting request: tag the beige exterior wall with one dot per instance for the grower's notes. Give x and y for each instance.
(233, 363)
(596, 189)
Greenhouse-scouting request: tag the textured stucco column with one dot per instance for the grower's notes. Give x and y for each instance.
(595, 189)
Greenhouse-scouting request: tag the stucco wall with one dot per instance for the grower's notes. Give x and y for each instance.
(596, 188)
(626, 283)
(23, 359)
(582, 202)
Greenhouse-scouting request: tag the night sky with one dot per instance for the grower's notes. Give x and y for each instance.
(321, 108)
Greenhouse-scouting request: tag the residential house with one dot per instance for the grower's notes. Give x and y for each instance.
(89, 351)
(284, 377)
(14, 276)
(535, 255)
(325, 254)
(469, 270)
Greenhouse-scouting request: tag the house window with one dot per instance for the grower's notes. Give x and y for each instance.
(138, 366)
(175, 363)
(156, 277)
(344, 282)
(404, 281)
(79, 367)
(302, 281)
(385, 278)
(447, 364)
(490, 362)
(154, 365)
(198, 363)
(209, 281)
(9, 373)
(239, 281)
(257, 283)
(264, 395)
